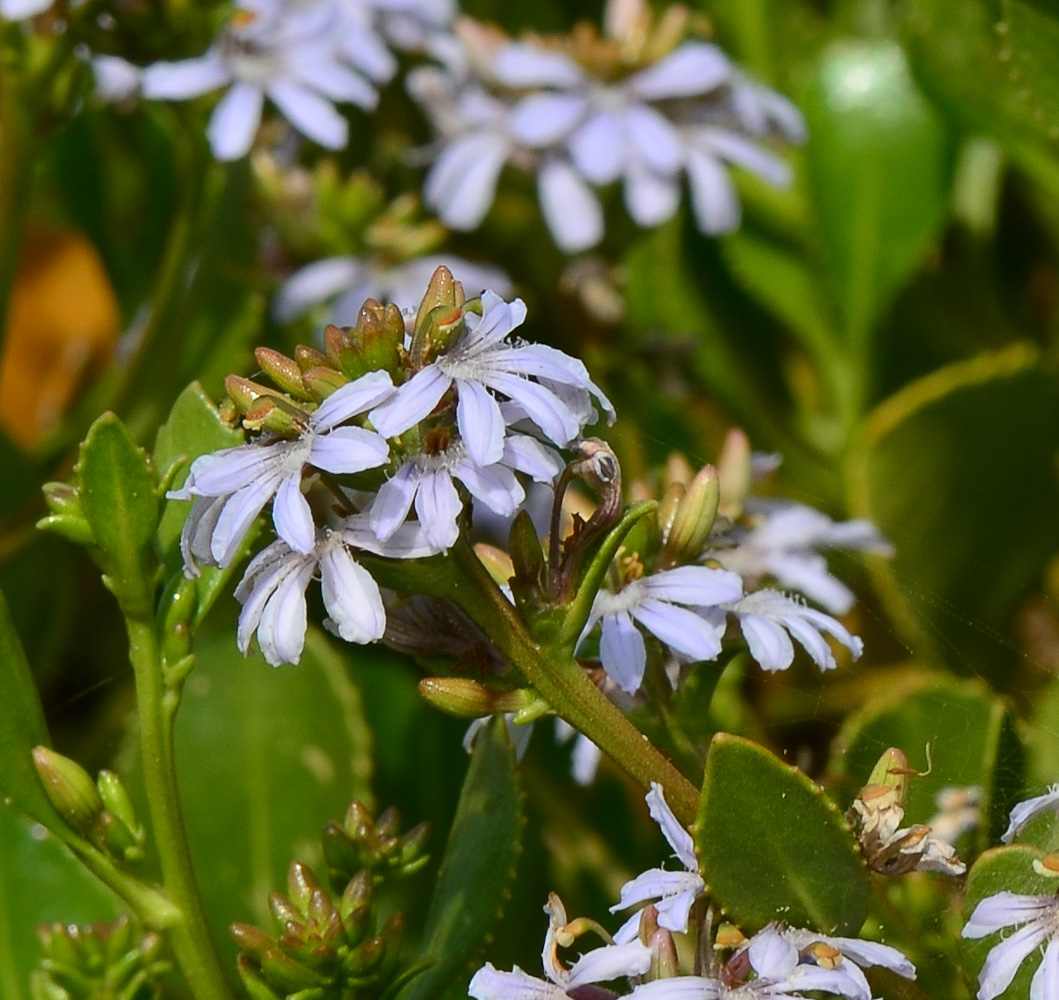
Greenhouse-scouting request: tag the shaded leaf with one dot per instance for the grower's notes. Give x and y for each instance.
(939, 462)
(772, 845)
(478, 866)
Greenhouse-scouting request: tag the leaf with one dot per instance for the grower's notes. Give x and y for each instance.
(194, 428)
(772, 845)
(939, 463)
(22, 728)
(40, 882)
(1005, 869)
(476, 870)
(265, 758)
(119, 503)
(972, 742)
(879, 164)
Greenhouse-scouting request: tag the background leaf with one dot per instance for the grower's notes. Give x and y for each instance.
(773, 847)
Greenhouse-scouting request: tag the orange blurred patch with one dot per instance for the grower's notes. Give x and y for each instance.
(63, 323)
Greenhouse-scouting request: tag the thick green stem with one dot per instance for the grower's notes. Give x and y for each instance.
(190, 937)
(566, 687)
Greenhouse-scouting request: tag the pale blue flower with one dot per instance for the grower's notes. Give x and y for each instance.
(1039, 920)
(231, 487)
(1029, 810)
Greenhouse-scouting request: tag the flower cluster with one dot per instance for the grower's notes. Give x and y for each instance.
(777, 961)
(638, 105)
(470, 411)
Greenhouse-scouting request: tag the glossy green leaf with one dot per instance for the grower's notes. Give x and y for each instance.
(972, 742)
(40, 882)
(992, 63)
(478, 866)
(194, 428)
(22, 728)
(265, 758)
(772, 845)
(1005, 869)
(119, 503)
(938, 464)
(879, 165)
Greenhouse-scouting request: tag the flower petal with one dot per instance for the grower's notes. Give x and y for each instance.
(355, 397)
(234, 122)
(393, 501)
(480, 423)
(543, 118)
(312, 115)
(690, 69)
(351, 597)
(713, 197)
(598, 148)
(314, 284)
(438, 507)
(462, 182)
(622, 652)
(177, 81)
(572, 212)
(349, 449)
(292, 515)
(412, 402)
(681, 630)
(672, 829)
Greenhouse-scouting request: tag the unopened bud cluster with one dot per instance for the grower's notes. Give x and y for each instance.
(113, 961)
(361, 843)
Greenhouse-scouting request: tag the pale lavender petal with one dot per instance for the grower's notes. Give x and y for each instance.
(336, 82)
(480, 423)
(412, 402)
(234, 522)
(771, 955)
(528, 455)
(1045, 983)
(498, 319)
(461, 184)
(438, 507)
(868, 953)
(650, 197)
(292, 515)
(542, 407)
(394, 501)
(746, 153)
(672, 829)
(681, 630)
(570, 209)
(769, 645)
(494, 485)
(409, 541)
(518, 65)
(281, 632)
(349, 449)
(604, 964)
(545, 362)
(584, 763)
(234, 122)
(713, 197)
(355, 397)
(115, 78)
(543, 118)
(808, 574)
(845, 981)
(680, 988)
(17, 10)
(177, 81)
(1004, 960)
(311, 114)
(657, 883)
(262, 576)
(698, 586)
(314, 284)
(351, 597)
(230, 469)
(491, 984)
(1005, 909)
(197, 533)
(1029, 810)
(692, 68)
(654, 138)
(598, 148)
(622, 651)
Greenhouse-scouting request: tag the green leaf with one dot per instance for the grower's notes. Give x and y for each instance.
(22, 728)
(1005, 869)
(119, 503)
(772, 845)
(939, 463)
(972, 741)
(992, 63)
(40, 882)
(879, 164)
(194, 428)
(476, 870)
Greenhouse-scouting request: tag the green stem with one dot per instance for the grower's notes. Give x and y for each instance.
(190, 937)
(566, 687)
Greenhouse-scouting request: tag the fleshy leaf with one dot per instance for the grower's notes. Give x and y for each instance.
(772, 845)
(879, 165)
(119, 502)
(972, 741)
(476, 870)
(22, 728)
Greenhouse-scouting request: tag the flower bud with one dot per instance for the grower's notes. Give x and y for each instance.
(119, 805)
(285, 973)
(664, 963)
(322, 380)
(243, 393)
(892, 771)
(284, 371)
(467, 699)
(70, 789)
(380, 337)
(527, 559)
(734, 470)
(692, 519)
(254, 985)
(309, 357)
(276, 415)
(301, 884)
(441, 292)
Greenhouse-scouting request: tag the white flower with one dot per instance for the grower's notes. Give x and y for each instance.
(848, 954)
(584, 761)
(660, 603)
(18, 10)
(272, 590)
(428, 482)
(781, 545)
(778, 970)
(1037, 918)
(483, 362)
(292, 53)
(675, 892)
(596, 966)
(352, 280)
(767, 616)
(238, 482)
(1029, 810)
(116, 79)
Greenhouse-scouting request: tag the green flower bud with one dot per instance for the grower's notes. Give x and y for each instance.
(365, 958)
(250, 939)
(284, 371)
(286, 974)
(116, 800)
(693, 519)
(443, 291)
(734, 470)
(436, 334)
(309, 357)
(277, 415)
(527, 557)
(255, 986)
(355, 906)
(70, 789)
(664, 963)
(322, 380)
(467, 699)
(243, 393)
(301, 884)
